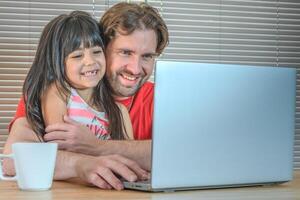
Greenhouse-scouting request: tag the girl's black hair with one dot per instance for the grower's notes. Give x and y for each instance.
(61, 36)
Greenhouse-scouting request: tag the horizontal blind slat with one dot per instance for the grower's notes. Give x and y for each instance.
(260, 32)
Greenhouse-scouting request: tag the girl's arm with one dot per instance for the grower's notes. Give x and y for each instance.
(54, 106)
(127, 121)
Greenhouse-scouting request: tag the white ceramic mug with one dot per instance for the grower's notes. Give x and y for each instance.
(34, 165)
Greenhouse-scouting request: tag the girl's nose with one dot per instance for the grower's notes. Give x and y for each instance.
(89, 59)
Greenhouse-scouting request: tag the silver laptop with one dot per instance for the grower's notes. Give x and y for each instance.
(218, 125)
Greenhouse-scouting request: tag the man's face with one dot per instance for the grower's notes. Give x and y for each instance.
(130, 60)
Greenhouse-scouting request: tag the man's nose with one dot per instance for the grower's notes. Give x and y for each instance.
(135, 65)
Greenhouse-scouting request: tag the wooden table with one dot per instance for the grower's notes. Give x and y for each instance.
(65, 190)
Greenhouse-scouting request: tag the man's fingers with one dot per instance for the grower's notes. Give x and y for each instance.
(57, 127)
(70, 121)
(61, 144)
(96, 180)
(121, 169)
(57, 135)
(110, 178)
(95, 170)
(141, 173)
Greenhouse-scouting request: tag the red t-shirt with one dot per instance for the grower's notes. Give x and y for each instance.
(140, 108)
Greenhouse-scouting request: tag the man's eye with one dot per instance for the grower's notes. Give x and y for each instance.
(125, 53)
(149, 57)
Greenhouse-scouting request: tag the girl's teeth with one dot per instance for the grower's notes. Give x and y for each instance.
(90, 73)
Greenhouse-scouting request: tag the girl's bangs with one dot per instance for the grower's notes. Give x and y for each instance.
(86, 34)
(91, 38)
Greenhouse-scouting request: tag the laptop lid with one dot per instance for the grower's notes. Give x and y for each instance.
(222, 125)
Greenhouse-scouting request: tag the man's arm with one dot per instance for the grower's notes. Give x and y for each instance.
(73, 136)
(18, 133)
(138, 150)
(99, 171)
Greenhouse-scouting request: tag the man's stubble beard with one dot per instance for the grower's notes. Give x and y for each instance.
(122, 91)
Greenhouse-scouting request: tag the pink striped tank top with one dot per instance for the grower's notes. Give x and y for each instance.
(81, 112)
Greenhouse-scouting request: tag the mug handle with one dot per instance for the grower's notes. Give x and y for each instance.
(2, 177)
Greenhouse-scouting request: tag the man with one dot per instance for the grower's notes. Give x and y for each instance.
(134, 35)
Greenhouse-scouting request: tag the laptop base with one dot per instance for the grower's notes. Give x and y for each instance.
(146, 186)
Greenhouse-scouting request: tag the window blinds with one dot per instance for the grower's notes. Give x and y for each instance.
(251, 32)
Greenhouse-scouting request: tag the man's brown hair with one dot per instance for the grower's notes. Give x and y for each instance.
(124, 18)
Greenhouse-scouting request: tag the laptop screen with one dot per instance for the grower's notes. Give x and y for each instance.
(218, 124)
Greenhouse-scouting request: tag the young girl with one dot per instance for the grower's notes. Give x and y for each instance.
(67, 77)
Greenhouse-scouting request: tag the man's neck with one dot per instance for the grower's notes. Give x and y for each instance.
(120, 98)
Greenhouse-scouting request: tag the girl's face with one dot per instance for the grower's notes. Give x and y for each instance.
(85, 67)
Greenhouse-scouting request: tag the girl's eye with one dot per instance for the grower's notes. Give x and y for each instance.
(98, 52)
(76, 56)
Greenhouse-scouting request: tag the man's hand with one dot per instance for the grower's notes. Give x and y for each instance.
(75, 137)
(72, 136)
(103, 171)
